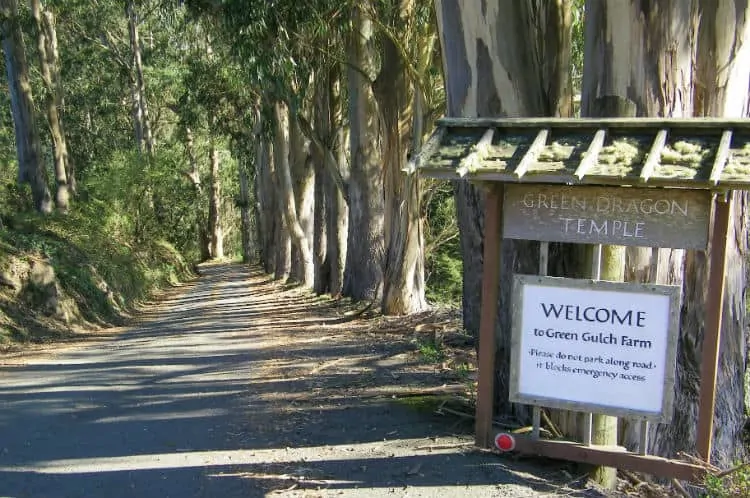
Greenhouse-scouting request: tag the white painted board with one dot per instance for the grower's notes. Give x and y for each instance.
(604, 347)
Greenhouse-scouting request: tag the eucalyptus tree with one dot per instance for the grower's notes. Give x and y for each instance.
(31, 169)
(143, 135)
(214, 101)
(647, 39)
(681, 59)
(501, 58)
(363, 274)
(49, 68)
(281, 76)
(292, 52)
(407, 41)
(721, 89)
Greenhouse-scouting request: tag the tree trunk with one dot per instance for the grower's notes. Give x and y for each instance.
(48, 21)
(303, 182)
(363, 275)
(641, 55)
(266, 205)
(331, 183)
(283, 245)
(323, 119)
(248, 253)
(143, 134)
(215, 232)
(28, 148)
(321, 263)
(193, 174)
(338, 213)
(49, 69)
(501, 58)
(721, 89)
(286, 192)
(403, 285)
(653, 65)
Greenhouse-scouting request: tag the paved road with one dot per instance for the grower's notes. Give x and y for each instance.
(177, 408)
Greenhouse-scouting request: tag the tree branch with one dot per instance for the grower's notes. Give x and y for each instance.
(329, 160)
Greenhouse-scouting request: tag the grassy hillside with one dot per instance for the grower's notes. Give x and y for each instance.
(63, 274)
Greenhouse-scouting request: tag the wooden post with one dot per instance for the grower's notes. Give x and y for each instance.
(488, 318)
(653, 277)
(712, 331)
(596, 273)
(604, 427)
(536, 413)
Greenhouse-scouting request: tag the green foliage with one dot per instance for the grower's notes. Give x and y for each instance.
(734, 485)
(444, 269)
(431, 352)
(102, 274)
(444, 284)
(577, 44)
(426, 404)
(90, 260)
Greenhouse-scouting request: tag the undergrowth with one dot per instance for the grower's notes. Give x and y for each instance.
(100, 270)
(431, 352)
(735, 484)
(444, 271)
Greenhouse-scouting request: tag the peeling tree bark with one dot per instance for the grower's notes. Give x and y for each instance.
(363, 276)
(215, 232)
(501, 58)
(28, 148)
(721, 89)
(403, 283)
(646, 51)
(49, 69)
(143, 136)
(286, 192)
(640, 53)
(303, 182)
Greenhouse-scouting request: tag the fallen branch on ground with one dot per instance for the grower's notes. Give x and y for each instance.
(395, 392)
(737, 468)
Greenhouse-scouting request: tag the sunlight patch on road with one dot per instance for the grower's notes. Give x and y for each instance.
(154, 417)
(191, 459)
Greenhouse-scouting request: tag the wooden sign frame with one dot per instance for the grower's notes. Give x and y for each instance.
(568, 450)
(620, 153)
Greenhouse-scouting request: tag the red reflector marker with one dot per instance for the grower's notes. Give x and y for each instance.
(505, 442)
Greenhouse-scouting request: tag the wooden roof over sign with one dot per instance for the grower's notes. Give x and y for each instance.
(699, 153)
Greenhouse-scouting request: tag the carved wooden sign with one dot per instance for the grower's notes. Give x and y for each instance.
(631, 216)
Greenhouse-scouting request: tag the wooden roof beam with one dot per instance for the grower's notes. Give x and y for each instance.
(477, 155)
(429, 149)
(722, 156)
(592, 153)
(654, 155)
(534, 149)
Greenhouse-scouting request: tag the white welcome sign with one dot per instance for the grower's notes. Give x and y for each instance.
(595, 346)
